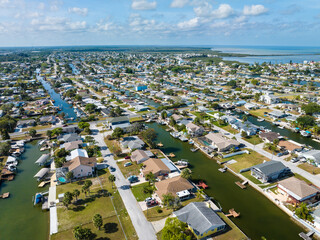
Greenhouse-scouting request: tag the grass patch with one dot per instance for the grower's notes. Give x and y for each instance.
(234, 233)
(138, 192)
(260, 113)
(110, 230)
(302, 178)
(39, 127)
(309, 168)
(255, 139)
(230, 129)
(134, 169)
(245, 160)
(113, 146)
(250, 177)
(136, 119)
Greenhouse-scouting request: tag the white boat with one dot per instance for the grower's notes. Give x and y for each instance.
(281, 127)
(175, 134)
(260, 120)
(305, 133)
(183, 138)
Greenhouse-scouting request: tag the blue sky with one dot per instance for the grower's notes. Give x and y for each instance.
(159, 22)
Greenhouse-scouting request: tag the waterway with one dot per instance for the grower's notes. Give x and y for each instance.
(259, 216)
(19, 218)
(58, 101)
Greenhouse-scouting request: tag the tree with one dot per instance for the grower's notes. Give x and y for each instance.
(82, 233)
(164, 114)
(83, 125)
(4, 148)
(56, 132)
(245, 118)
(244, 134)
(61, 153)
(186, 173)
(90, 108)
(150, 177)
(32, 132)
(149, 135)
(69, 176)
(112, 179)
(67, 199)
(276, 141)
(4, 134)
(304, 212)
(97, 221)
(117, 133)
(174, 229)
(49, 134)
(170, 201)
(88, 184)
(311, 108)
(306, 121)
(76, 194)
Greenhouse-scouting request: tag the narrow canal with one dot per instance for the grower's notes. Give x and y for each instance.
(58, 101)
(259, 217)
(19, 218)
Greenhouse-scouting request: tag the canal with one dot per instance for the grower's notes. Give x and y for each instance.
(58, 101)
(19, 219)
(259, 216)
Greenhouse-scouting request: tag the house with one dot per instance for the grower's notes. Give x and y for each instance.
(297, 191)
(155, 166)
(78, 153)
(269, 137)
(139, 156)
(202, 220)
(70, 129)
(277, 114)
(313, 155)
(119, 122)
(174, 186)
(217, 140)
(132, 142)
(72, 137)
(48, 120)
(194, 130)
(26, 123)
(269, 99)
(81, 166)
(289, 145)
(270, 171)
(72, 145)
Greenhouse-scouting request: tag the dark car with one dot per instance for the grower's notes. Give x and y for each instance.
(127, 157)
(152, 203)
(112, 169)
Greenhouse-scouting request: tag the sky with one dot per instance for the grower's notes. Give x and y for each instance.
(159, 22)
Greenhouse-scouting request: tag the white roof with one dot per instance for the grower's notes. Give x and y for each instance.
(42, 172)
(78, 153)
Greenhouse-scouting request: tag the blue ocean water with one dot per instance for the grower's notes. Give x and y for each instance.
(276, 54)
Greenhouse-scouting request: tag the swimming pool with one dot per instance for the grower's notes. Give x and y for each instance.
(62, 179)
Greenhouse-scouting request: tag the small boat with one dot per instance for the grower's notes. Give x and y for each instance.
(160, 144)
(260, 120)
(182, 162)
(171, 155)
(183, 138)
(224, 169)
(305, 133)
(175, 134)
(246, 113)
(281, 127)
(194, 149)
(191, 142)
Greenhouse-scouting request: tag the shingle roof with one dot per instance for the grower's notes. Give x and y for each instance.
(172, 185)
(199, 217)
(154, 165)
(270, 167)
(76, 162)
(298, 187)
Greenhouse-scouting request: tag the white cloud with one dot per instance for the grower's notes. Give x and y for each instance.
(4, 3)
(179, 3)
(143, 5)
(55, 5)
(79, 11)
(254, 10)
(57, 24)
(42, 6)
(194, 22)
(205, 10)
(224, 11)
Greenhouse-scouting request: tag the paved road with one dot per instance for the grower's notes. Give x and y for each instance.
(259, 148)
(144, 229)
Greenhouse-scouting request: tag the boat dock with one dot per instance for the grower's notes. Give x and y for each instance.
(194, 149)
(242, 185)
(201, 184)
(5, 195)
(224, 169)
(306, 236)
(233, 213)
(42, 184)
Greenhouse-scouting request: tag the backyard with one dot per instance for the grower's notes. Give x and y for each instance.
(134, 169)
(245, 160)
(138, 191)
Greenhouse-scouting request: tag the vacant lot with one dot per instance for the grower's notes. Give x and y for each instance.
(245, 160)
(255, 139)
(134, 169)
(309, 168)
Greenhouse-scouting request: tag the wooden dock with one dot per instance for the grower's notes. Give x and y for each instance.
(202, 185)
(233, 213)
(42, 184)
(5, 195)
(242, 185)
(223, 169)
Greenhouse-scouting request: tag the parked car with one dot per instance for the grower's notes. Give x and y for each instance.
(133, 179)
(127, 164)
(279, 154)
(148, 199)
(152, 203)
(112, 169)
(127, 157)
(294, 160)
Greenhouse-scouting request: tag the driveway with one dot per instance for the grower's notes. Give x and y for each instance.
(144, 229)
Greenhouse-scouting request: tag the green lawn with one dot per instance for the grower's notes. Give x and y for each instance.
(134, 169)
(250, 177)
(255, 139)
(309, 168)
(110, 230)
(234, 233)
(260, 113)
(138, 192)
(245, 160)
(230, 129)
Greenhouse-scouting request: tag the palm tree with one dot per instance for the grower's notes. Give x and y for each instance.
(76, 194)
(112, 179)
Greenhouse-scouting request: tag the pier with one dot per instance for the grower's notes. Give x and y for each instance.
(5, 195)
(233, 213)
(242, 185)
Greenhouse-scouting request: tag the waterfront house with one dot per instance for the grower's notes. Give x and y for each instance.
(139, 156)
(48, 120)
(297, 191)
(72, 145)
(81, 166)
(269, 137)
(155, 166)
(72, 137)
(270, 171)
(217, 140)
(202, 220)
(174, 186)
(119, 122)
(269, 99)
(194, 130)
(277, 114)
(132, 142)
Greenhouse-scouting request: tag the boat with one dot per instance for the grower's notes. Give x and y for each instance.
(194, 149)
(246, 113)
(281, 127)
(305, 133)
(160, 144)
(191, 142)
(171, 155)
(183, 138)
(260, 120)
(224, 169)
(175, 134)
(182, 162)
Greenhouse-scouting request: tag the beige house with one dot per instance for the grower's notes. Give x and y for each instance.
(139, 156)
(222, 143)
(155, 166)
(81, 166)
(173, 185)
(194, 129)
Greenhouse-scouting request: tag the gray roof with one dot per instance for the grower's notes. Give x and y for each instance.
(42, 159)
(199, 216)
(270, 167)
(312, 154)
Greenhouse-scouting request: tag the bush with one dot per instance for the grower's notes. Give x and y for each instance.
(159, 210)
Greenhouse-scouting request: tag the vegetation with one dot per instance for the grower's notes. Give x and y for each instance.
(174, 229)
(304, 212)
